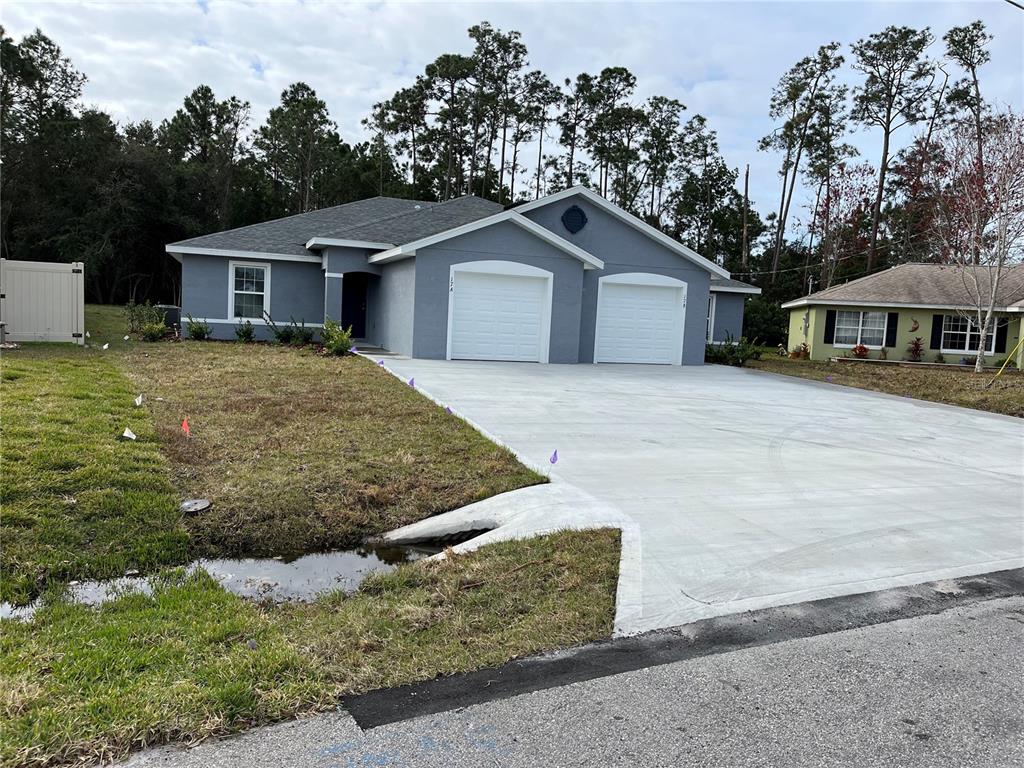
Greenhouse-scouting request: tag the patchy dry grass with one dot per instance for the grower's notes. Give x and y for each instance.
(297, 451)
(77, 503)
(301, 452)
(953, 385)
(88, 684)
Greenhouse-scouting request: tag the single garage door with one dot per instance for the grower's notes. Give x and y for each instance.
(497, 317)
(640, 323)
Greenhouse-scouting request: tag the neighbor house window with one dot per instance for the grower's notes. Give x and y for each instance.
(962, 334)
(711, 318)
(853, 328)
(250, 290)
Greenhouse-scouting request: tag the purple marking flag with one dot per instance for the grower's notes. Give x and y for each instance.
(828, 379)
(354, 350)
(448, 410)
(554, 457)
(380, 363)
(412, 383)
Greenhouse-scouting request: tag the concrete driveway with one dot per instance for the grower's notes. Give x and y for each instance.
(737, 489)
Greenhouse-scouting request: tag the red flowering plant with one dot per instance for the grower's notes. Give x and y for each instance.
(860, 352)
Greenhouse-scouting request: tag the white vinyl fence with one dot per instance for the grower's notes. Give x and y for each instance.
(40, 301)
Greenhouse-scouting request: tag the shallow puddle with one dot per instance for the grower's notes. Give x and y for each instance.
(267, 579)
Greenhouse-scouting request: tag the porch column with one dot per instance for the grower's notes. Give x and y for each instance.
(332, 296)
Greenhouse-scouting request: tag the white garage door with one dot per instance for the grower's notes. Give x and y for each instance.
(497, 317)
(639, 323)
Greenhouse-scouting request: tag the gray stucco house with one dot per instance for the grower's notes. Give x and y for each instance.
(568, 278)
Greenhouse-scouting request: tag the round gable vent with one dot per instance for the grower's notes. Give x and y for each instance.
(574, 219)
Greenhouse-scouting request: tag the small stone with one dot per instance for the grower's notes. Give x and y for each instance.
(195, 506)
(252, 644)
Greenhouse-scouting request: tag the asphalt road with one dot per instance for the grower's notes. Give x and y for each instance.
(944, 689)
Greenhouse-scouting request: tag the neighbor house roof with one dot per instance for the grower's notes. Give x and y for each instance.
(923, 285)
(728, 285)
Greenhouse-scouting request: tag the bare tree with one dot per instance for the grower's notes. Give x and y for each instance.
(981, 211)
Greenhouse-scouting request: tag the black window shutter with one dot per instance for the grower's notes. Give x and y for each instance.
(830, 326)
(1002, 327)
(890, 328)
(936, 341)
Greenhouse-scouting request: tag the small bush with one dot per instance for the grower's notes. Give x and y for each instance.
(732, 352)
(860, 352)
(138, 316)
(245, 333)
(197, 329)
(154, 331)
(939, 357)
(915, 350)
(301, 335)
(283, 334)
(336, 340)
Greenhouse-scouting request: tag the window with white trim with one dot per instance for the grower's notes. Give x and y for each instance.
(250, 292)
(711, 318)
(853, 328)
(962, 334)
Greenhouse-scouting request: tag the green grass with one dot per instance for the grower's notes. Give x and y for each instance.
(77, 502)
(954, 385)
(298, 452)
(85, 684)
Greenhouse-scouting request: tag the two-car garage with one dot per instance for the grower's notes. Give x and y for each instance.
(500, 310)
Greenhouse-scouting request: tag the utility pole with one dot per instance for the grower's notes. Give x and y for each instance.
(745, 252)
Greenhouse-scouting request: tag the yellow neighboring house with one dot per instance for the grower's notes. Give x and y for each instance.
(886, 311)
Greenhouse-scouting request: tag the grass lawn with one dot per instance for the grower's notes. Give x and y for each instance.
(78, 503)
(82, 684)
(298, 453)
(955, 386)
(301, 452)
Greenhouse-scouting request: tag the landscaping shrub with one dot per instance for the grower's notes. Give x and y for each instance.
(245, 333)
(301, 335)
(197, 329)
(939, 357)
(732, 353)
(154, 331)
(803, 352)
(915, 350)
(283, 334)
(860, 352)
(336, 340)
(138, 316)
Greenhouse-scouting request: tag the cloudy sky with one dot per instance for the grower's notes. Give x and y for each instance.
(721, 59)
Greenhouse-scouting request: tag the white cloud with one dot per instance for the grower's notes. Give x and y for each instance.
(721, 59)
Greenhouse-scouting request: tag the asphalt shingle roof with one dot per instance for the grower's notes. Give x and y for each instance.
(377, 219)
(439, 217)
(925, 284)
(722, 282)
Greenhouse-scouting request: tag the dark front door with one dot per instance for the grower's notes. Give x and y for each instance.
(353, 303)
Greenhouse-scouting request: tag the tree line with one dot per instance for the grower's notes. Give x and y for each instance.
(76, 186)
